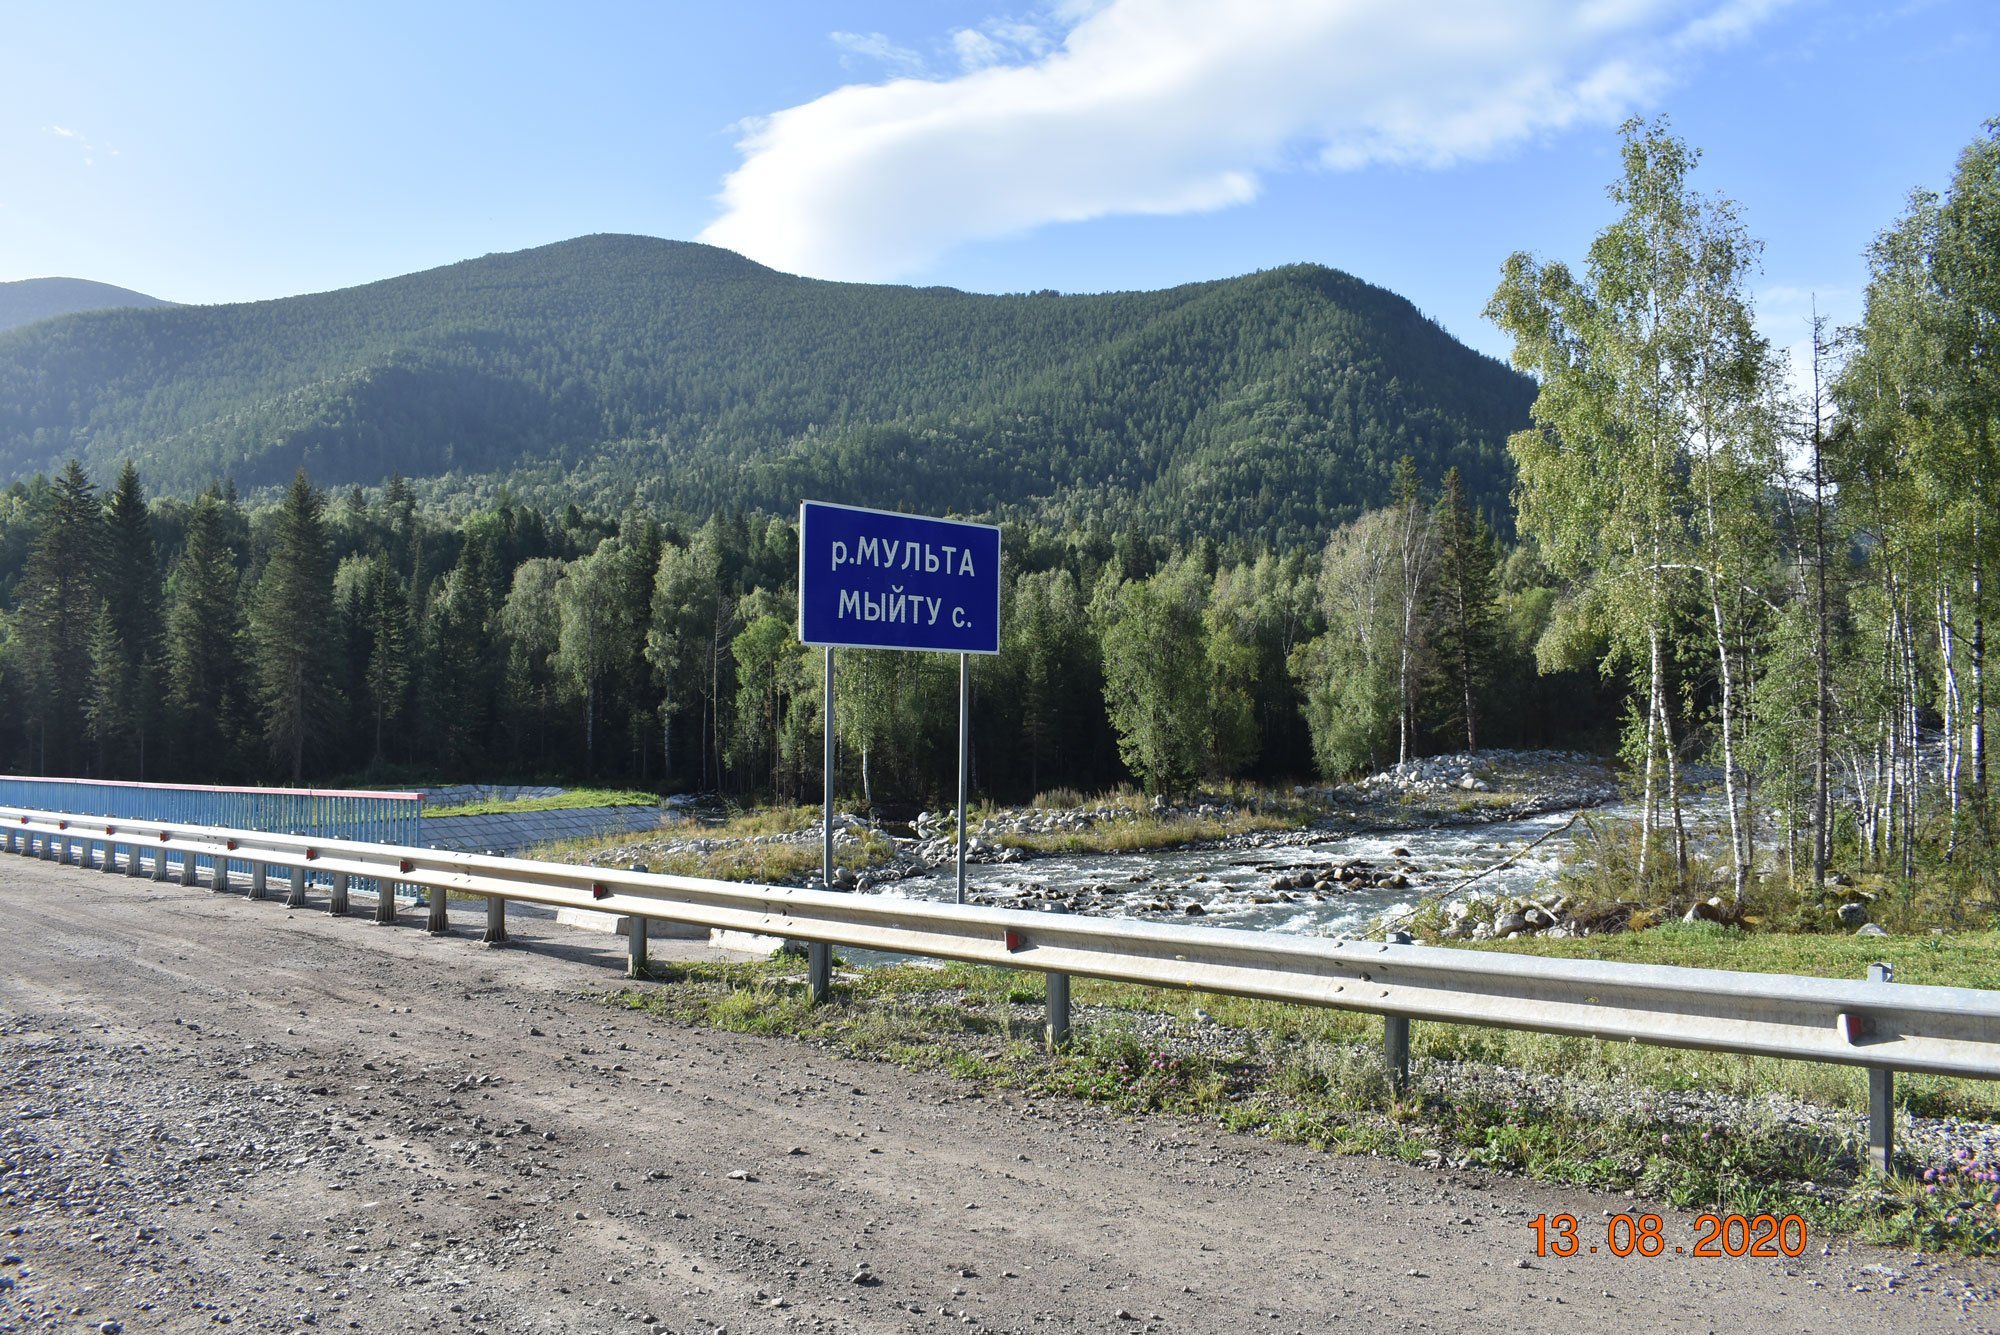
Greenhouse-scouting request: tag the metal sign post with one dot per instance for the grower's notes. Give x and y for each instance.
(819, 955)
(873, 579)
(964, 700)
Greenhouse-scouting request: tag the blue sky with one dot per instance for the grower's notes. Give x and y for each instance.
(231, 152)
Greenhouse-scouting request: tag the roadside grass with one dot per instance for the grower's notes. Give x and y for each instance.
(568, 800)
(1598, 1115)
(1957, 959)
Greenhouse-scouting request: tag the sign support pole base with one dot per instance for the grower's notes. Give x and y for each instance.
(819, 956)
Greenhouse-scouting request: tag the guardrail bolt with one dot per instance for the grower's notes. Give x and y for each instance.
(1396, 1037)
(336, 903)
(1882, 1099)
(297, 898)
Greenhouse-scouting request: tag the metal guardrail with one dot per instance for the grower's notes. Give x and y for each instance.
(1877, 1024)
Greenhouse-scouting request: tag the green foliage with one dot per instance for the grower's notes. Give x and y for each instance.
(1349, 675)
(1157, 673)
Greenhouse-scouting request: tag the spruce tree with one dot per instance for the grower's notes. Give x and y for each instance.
(59, 595)
(133, 593)
(292, 627)
(389, 667)
(204, 627)
(1464, 638)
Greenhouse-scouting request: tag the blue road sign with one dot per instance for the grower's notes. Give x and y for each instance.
(869, 579)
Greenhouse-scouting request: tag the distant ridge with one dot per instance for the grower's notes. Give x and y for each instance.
(614, 369)
(32, 299)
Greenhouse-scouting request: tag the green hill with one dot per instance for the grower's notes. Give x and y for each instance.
(32, 299)
(1272, 404)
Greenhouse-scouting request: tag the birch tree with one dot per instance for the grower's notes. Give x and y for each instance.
(1649, 439)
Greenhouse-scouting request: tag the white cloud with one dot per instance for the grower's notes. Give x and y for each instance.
(874, 46)
(877, 48)
(81, 141)
(1179, 106)
(976, 50)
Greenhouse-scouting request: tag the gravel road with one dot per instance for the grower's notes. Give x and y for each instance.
(222, 1113)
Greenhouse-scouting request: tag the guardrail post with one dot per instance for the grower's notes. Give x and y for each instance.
(1881, 1098)
(819, 971)
(132, 859)
(336, 903)
(1396, 1036)
(1056, 1026)
(260, 880)
(440, 922)
(187, 869)
(496, 916)
(160, 862)
(296, 899)
(110, 863)
(385, 903)
(636, 930)
(9, 835)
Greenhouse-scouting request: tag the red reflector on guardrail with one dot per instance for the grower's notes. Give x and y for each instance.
(1015, 940)
(404, 865)
(111, 829)
(1853, 1028)
(164, 836)
(312, 855)
(62, 825)
(597, 891)
(230, 844)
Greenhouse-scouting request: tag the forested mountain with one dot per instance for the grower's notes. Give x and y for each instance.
(615, 368)
(33, 299)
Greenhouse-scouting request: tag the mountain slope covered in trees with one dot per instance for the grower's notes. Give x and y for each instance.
(620, 367)
(32, 299)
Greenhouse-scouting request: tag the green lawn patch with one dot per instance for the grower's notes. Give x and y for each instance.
(568, 800)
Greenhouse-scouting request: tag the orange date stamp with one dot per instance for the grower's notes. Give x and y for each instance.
(1715, 1235)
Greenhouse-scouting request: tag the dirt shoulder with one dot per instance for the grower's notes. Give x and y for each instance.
(224, 1112)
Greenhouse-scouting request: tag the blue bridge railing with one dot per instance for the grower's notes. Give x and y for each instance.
(372, 817)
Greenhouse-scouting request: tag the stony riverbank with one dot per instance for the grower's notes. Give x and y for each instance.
(1450, 790)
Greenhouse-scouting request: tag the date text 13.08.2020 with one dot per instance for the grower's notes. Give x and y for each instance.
(1714, 1236)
